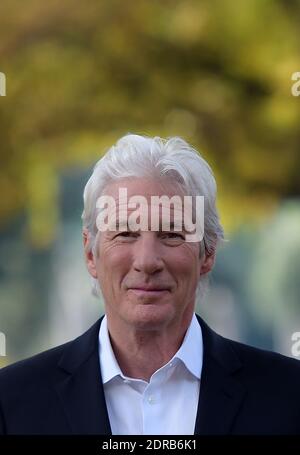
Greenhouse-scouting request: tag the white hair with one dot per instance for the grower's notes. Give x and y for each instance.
(141, 156)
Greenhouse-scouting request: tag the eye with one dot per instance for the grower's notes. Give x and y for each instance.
(173, 235)
(126, 234)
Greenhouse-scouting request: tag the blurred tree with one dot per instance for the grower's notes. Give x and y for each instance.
(79, 75)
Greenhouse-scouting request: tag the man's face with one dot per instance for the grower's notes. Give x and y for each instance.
(148, 278)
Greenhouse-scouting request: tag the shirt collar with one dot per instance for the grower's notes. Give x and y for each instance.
(190, 352)
(108, 362)
(191, 349)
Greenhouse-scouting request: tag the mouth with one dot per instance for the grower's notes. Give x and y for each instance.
(143, 292)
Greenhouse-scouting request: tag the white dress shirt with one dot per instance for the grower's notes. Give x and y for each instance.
(168, 403)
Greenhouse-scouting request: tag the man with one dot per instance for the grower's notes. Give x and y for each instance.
(150, 365)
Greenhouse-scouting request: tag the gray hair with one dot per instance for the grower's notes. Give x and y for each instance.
(141, 156)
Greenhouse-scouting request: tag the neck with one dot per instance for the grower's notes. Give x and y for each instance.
(142, 352)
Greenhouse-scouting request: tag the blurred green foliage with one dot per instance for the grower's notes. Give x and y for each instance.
(79, 75)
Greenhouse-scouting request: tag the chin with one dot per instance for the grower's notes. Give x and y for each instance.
(150, 316)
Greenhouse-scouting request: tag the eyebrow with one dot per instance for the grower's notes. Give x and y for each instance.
(122, 225)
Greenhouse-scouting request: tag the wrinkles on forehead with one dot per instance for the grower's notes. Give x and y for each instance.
(138, 205)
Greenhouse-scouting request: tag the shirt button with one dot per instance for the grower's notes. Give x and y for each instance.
(170, 364)
(151, 399)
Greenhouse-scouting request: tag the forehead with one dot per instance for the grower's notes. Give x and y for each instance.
(144, 203)
(144, 186)
(151, 212)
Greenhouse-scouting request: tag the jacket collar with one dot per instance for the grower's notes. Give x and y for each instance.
(81, 391)
(80, 386)
(221, 394)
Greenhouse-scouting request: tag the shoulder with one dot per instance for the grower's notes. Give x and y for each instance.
(268, 382)
(272, 373)
(26, 388)
(29, 389)
(253, 365)
(43, 368)
(37, 366)
(264, 359)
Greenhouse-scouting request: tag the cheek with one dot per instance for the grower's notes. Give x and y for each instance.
(185, 264)
(113, 262)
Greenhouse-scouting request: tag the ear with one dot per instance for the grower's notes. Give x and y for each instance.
(89, 257)
(207, 262)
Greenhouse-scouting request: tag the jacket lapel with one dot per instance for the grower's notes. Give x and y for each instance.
(80, 385)
(221, 395)
(81, 393)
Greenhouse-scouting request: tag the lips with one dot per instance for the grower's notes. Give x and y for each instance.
(149, 293)
(148, 288)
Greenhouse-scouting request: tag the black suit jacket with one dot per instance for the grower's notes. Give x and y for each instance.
(243, 390)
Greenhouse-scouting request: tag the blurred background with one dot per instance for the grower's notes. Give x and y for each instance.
(79, 76)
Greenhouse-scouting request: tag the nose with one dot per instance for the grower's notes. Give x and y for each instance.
(148, 254)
